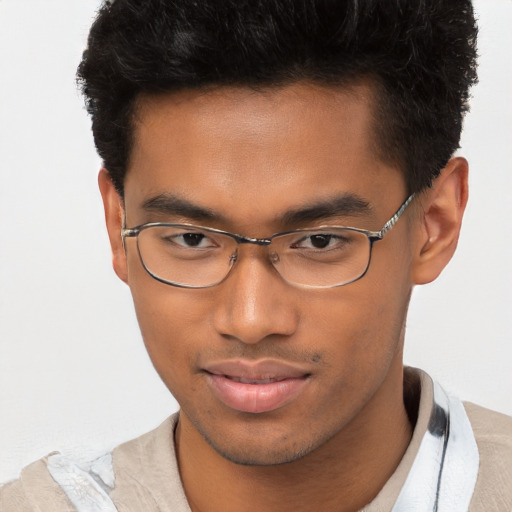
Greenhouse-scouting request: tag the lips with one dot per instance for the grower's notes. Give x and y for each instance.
(256, 387)
(252, 381)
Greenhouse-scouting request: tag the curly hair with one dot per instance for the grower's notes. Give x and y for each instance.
(420, 54)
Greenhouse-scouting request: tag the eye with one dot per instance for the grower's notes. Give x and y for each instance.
(192, 240)
(320, 241)
(172, 238)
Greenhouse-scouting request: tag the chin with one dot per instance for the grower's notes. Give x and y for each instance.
(260, 456)
(264, 446)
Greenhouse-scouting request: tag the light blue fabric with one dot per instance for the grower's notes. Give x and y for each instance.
(86, 485)
(445, 469)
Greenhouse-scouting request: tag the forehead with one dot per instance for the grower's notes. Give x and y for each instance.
(257, 151)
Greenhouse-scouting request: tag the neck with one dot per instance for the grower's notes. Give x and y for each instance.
(344, 474)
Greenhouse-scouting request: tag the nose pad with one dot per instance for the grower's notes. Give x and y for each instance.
(273, 257)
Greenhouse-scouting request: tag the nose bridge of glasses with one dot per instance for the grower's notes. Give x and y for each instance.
(253, 241)
(262, 248)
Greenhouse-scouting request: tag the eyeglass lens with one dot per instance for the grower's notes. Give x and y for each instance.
(191, 257)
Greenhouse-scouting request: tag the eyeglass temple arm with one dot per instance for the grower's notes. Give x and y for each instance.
(391, 222)
(129, 232)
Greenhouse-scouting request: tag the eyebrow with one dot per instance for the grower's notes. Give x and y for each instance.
(172, 205)
(343, 205)
(347, 204)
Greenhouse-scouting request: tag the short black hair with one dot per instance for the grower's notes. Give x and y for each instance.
(419, 54)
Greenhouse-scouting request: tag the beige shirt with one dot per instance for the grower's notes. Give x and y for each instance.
(146, 477)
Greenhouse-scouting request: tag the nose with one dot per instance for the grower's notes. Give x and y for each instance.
(254, 302)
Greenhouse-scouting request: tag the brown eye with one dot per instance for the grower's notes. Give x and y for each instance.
(192, 239)
(320, 241)
(182, 239)
(317, 241)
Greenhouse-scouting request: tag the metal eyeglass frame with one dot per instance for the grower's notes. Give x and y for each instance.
(373, 236)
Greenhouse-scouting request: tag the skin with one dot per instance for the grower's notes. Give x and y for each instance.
(250, 157)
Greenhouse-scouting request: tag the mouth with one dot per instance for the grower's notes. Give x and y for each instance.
(258, 387)
(244, 380)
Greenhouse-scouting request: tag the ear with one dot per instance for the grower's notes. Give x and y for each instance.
(440, 218)
(114, 215)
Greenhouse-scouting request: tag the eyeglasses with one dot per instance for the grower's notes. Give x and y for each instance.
(192, 256)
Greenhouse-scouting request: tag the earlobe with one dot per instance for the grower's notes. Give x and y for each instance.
(441, 211)
(114, 215)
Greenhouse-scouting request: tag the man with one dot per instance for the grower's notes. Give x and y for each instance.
(277, 177)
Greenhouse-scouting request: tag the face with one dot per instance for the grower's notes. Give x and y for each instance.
(266, 371)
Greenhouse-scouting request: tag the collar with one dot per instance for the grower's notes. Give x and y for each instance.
(444, 472)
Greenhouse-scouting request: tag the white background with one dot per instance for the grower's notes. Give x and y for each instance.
(73, 371)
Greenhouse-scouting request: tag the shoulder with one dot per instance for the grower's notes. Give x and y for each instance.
(141, 474)
(147, 473)
(34, 490)
(493, 434)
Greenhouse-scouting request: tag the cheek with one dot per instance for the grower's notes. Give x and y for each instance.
(360, 327)
(171, 321)
(355, 333)
(170, 331)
